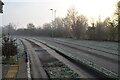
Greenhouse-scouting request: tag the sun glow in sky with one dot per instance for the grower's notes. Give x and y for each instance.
(22, 12)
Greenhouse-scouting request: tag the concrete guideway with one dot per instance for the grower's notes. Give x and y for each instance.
(107, 56)
(82, 72)
(68, 61)
(76, 52)
(37, 70)
(106, 72)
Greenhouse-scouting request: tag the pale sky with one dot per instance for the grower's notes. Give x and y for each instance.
(22, 12)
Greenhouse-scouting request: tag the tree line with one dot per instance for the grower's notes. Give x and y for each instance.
(72, 26)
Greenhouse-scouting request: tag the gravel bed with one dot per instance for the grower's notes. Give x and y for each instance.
(59, 70)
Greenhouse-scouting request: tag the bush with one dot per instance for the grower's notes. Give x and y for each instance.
(9, 47)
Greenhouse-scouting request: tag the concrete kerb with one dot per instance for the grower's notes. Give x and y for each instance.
(33, 58)
(28, 62)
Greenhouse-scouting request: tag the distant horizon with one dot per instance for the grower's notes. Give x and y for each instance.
(38, 12)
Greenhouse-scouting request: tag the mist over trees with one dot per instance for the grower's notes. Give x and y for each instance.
(74, 26)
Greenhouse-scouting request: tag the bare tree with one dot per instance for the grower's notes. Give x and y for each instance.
(99, 33)
(80, 27)
(47, 30)
(59, 29)
(67, 27)
(76, 23)
(10, 28)
(71, 19)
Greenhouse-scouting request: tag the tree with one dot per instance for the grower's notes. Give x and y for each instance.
(30, 29)
(100, 31)
(67, 28)
(30, 26)
(115, 21)
(76, 23)
(80, 27)
(118, 26)
(59, 29)
(111, 29)
(107, 25)
(71, 20)
(91, 32)
(47, 29)
(10, 28)
(119, 20)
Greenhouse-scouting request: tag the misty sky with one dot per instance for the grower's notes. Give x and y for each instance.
(22, 12)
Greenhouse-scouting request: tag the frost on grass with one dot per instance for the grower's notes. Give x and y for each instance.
(110, 47)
